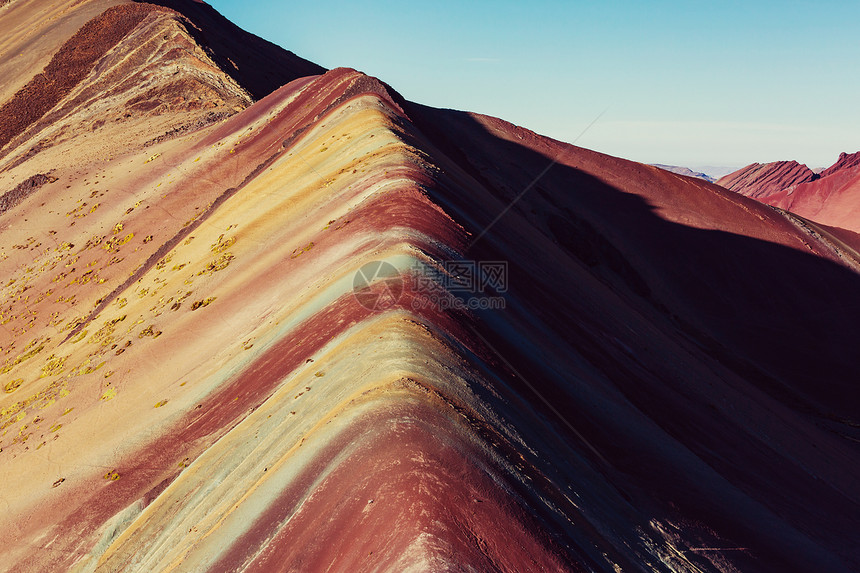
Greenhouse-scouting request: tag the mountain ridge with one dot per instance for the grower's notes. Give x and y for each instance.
(759, 180)
(829, 197)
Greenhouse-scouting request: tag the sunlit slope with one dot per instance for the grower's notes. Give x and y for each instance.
(247, 304)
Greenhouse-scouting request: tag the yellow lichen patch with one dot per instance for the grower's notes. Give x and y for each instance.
(176, 305)
(222, 244)
(60, 277)
(84, 278)
(30, 352)
(53, 366)
(78, 212)
(55, 428)
(103, 335)
(78, 337)
(112, 475)
(86, 368)
(92, 242)
(219, 264)
(163, 262)
(153, 158)
(109, 394)
(41, 400)
(192, 219)
(117, 229)
(202, 303)
(113, 244)
(13, 385)
(149, 331)
(161, 403)
(299, 252)
(147, 239)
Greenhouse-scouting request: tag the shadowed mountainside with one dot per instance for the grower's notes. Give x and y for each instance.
(194, 380)
(259, 66)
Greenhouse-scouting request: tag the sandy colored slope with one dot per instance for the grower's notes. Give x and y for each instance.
(34, 31)
(143, 317)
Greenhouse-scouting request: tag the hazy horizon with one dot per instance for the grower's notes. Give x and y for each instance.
(723, 84)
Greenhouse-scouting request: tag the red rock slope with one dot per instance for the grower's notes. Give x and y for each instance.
(759, 181)
(830, 198)
(204, 369)
(845, 161)
(834, 199)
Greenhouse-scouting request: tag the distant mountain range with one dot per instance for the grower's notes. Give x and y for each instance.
(685, 171)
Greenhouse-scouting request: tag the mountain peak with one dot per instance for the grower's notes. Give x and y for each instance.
(845, 161)
(759, 180)
(258, 65)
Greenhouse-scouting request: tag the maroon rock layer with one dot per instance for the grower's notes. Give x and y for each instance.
(68, 67)
(761, 180)
(259, 66)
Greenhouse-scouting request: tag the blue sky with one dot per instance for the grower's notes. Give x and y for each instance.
(687, 83)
